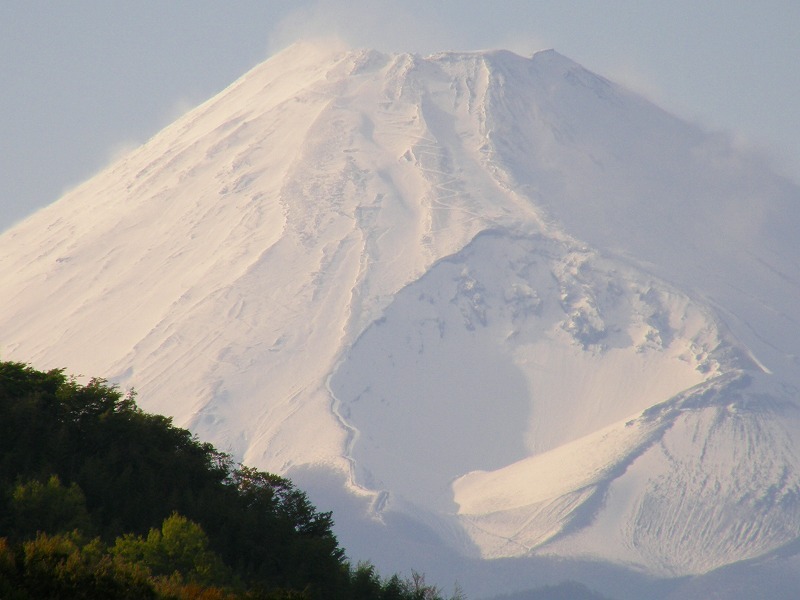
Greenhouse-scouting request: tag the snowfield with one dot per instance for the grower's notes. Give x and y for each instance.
(499, 297)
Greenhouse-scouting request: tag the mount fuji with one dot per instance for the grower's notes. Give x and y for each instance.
(508, 317)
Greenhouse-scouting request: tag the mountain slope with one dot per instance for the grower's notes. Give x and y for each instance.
(502, 296)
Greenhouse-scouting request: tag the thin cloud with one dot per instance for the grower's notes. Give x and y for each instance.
(523, 44)
(120, 150)
(390, 27)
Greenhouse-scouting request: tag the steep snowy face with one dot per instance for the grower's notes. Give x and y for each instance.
(498, 294)
(518, 345)
(707, 478)
(623, 176)
(268, 226)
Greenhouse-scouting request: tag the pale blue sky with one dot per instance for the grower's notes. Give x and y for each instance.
(86, 79)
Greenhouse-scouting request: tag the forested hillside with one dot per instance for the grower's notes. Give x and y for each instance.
(99, 499)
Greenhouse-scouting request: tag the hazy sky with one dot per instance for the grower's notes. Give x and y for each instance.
(84, 80)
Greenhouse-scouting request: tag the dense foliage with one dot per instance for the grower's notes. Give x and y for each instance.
(99, 499)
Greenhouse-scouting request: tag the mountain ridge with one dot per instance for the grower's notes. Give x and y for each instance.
(492, 293)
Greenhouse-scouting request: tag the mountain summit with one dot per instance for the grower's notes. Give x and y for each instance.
(498, 297)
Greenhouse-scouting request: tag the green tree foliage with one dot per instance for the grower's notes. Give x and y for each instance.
(173, 517)
(180, 547)
(49, 506)
(61, 566)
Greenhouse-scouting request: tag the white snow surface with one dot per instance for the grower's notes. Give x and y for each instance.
(499, 294)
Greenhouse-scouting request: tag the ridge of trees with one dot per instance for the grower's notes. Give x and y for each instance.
(99, 499)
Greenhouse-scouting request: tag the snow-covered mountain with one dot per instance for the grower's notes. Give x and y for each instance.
(500, 300)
